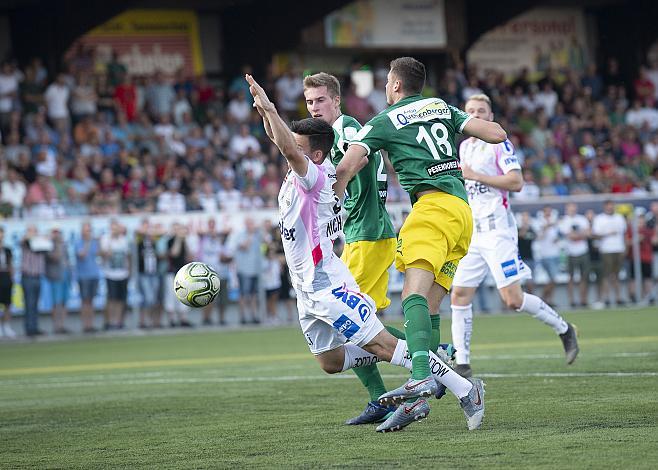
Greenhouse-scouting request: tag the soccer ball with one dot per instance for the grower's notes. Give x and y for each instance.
(196, 284)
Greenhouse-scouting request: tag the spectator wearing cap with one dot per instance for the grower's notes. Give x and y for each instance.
(610, 228)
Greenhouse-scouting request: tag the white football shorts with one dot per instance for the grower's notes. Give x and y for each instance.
(496, 251)
(331, 317)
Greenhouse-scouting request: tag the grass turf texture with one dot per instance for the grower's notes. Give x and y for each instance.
(257, 399)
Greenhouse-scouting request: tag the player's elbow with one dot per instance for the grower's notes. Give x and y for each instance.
(517, 185)
(497, 134)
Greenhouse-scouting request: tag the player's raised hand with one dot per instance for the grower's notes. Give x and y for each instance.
(260, 97)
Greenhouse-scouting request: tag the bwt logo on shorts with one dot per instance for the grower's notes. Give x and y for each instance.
(345, 326)
(286, 233)
(355, 301)
(509, 268)
(439, 168)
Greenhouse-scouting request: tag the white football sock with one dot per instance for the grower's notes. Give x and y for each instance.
(462, 329)
(441, 372)
(357, 357)
(543, 312)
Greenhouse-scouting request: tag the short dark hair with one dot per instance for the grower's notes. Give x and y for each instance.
(411, 73)
(320, 133)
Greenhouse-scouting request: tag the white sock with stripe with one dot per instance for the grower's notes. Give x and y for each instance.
(462, 329)
(543, 312)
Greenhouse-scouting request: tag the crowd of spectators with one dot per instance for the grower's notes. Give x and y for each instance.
(96, 140)
(594, 249)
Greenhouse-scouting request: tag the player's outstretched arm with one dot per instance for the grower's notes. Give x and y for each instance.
(278, 129)
(489, 131)
(352, 162)
(510, 181)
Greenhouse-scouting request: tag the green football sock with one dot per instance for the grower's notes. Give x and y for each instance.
(371, 379)
(417, 328)
(435, 336)
(395, 332)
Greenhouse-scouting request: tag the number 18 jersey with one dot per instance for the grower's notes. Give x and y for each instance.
(419, 135)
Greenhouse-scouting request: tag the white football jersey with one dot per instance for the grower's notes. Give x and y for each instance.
(309, 221)
(491, 159)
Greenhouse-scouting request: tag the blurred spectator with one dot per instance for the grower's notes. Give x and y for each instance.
(648, 240)
(58, 280)
(116, 253)
(6, 284)
(356, 106)
(239, 109)
(610, 230)
(33, 266)
(243, 142)
(125, 95)
(57, 97)
(177, 257)
(87, 251)
(159, 96)
(13, 192)
(289, 91)
(247, 248)
(83, 98)
(271, 284)
(210, 252)
(115, 70)
(170, 200)
(527, 237)
(575, 228)
(547, 249)
(146, 238)
(8, 94)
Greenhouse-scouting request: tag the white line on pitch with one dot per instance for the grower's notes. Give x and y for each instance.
(293, 378)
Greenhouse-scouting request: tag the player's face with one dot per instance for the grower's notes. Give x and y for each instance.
(479, 109)
(321, 105)
(304, 146)
(390, 88)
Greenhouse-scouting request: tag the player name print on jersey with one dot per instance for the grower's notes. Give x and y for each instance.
(419, 111)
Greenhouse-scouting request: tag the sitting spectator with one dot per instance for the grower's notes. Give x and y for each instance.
(241, 143)
(13, 192)
(171, 201)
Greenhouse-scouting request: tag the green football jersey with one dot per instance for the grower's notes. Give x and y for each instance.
(419, 135)
(367, 218)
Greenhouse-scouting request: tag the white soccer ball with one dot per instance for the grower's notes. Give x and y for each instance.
(196, 284)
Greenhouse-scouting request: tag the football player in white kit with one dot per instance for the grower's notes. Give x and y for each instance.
(339, 321)
(490, 172)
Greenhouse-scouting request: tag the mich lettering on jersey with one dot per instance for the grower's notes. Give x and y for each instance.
(334, 226)
(419, 111)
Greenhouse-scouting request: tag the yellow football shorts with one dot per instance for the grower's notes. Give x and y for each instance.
(368, 261)
(435, 236)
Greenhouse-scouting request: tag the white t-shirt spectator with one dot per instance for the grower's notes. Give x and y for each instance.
(239, 110)
(8, 84)
(530, 190)
(13, 193)
(57, 97)
(239, 145)
(116, 266)
(546, 244)
(288, 92)
(253, 164)
(547, 100)
(611, 229)
(577, 224)
(171, 202)
(229, 199)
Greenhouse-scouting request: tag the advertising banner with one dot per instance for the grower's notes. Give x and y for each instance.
(536, 40)
(148, 41)
(407, 24)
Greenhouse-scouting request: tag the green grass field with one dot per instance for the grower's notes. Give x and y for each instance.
(257, 399)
